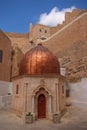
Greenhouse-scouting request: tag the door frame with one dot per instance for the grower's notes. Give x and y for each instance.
(42, 89)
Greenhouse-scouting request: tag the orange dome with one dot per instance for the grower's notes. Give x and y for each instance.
(39, 61)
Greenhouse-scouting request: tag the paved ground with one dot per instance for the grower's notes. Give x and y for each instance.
(74, 119)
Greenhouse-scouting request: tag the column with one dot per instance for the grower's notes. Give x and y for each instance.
(57, 91)
(50, 103)
(26, 88)
(33, 106)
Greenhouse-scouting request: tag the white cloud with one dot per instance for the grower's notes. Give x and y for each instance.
(54, 17)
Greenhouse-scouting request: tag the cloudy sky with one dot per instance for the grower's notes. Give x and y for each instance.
(15, 15)
(55, 16)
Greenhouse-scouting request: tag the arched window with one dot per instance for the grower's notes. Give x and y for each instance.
(17, 89)
(63, 89)
(67, 93)
(45, 31)
(40, 30)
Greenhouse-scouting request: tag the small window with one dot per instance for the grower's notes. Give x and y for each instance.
(40, 30)
(1, 55)
(45, 31)
(67, 93)
(63, 89)
(17, 89)
(18, 65)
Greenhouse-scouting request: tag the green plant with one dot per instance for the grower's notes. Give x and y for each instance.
(56, 117)
(56, 114)
(29, 114)
(29, 117)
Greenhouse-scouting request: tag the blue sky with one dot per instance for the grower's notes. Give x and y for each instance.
(15, 15)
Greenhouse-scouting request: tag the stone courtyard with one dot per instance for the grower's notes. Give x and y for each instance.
(74, 119)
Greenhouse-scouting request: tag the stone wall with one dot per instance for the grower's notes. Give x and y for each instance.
(5, 94)
(67, 41)
(78, 93)
(39, 32)
(16, 59)
(69, 44)
(5, 65)
(32, 86)
(5, 88)
(20, 40)
(5, 102)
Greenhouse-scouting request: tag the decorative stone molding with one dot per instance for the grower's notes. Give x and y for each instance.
(42, 82)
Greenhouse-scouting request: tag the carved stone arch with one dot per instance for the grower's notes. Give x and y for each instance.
(41, 90)
(38, 89)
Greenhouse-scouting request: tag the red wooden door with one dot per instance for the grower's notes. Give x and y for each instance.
(41, 106)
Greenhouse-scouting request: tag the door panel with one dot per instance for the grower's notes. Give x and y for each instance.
(41, 106)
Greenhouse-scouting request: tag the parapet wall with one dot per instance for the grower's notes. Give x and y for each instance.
(69, 16)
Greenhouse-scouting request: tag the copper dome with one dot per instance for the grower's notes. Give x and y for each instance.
(39, 61)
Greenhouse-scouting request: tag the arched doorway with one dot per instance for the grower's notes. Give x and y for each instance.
(41, 106)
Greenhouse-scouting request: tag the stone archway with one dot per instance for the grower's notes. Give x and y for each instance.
(41, 106)
(46, 107)
(41, 100)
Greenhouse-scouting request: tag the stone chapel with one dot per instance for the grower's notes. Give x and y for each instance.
(39, 88)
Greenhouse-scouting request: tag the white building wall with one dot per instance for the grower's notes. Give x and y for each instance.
(5, 98)
(78, 93)
(5, 88)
